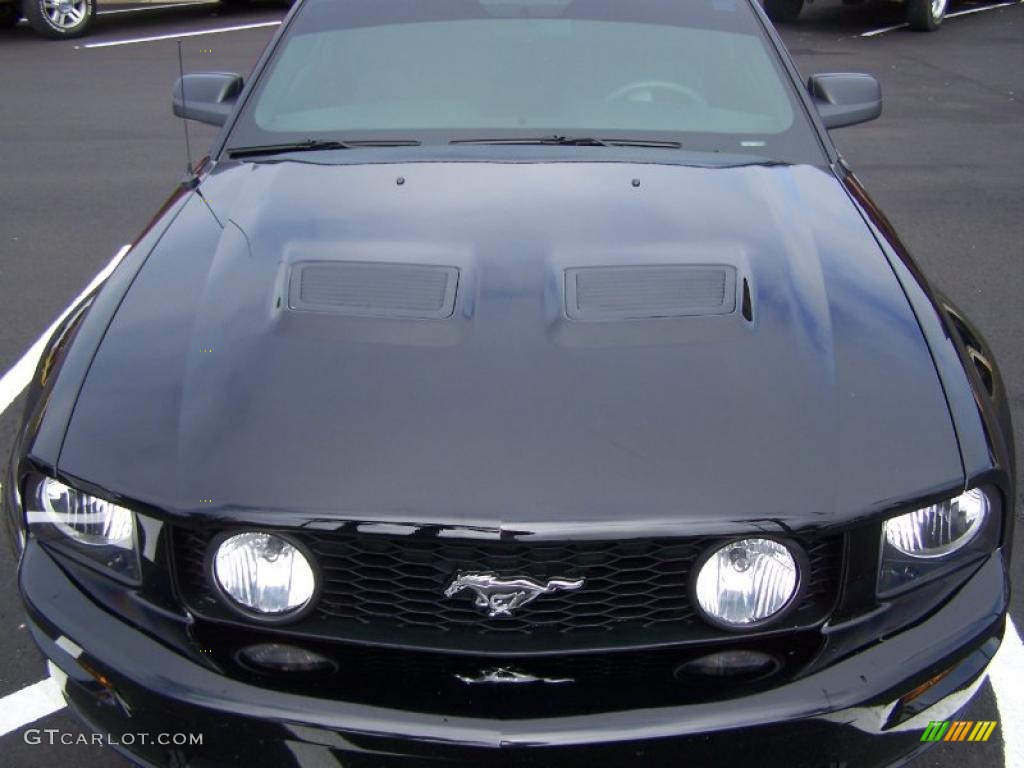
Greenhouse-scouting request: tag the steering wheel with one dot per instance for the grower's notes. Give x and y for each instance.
(631, 91)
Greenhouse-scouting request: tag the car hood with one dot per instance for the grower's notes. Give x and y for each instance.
(814, 401)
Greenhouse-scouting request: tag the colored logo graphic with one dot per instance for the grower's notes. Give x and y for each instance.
(959, 730)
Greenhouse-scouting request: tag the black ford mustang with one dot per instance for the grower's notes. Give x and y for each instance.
(518, 382)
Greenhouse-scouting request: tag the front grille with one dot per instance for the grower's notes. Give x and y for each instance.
(391, 589)
(640, 583)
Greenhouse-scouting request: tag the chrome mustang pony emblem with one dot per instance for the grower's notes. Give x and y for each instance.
(500, 597)
(507, 675)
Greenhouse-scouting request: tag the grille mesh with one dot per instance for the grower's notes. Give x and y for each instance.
(402, 582)
(374, 290)
(607, 293)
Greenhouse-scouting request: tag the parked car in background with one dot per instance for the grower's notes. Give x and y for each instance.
(922, 15)
(61, 19)
(52, 18)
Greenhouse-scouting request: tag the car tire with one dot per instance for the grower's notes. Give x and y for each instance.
(10, 14)
(783, 10)
(926, 15)
(60, 19)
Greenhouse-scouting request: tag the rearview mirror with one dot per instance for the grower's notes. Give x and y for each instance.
(207, 97)
(846, 99)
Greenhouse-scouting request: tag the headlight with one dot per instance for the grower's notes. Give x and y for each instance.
(88, 528)
(263, 574)
(931, 541)
(940, 529)
(747, 582)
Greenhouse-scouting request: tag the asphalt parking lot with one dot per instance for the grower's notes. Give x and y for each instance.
(89, 150)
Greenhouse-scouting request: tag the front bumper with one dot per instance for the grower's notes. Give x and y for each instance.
(847, 712)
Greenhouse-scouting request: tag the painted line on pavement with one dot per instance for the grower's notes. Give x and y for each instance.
(883, 30)
(1006, 672)
(179, 35)
(968, 12)
(30, 704)
(16, 379)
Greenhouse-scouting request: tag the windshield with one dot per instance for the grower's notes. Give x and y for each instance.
(698, 75)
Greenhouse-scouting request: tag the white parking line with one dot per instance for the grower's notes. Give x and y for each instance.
(30, 704)
(16, 379)
(1007, 675)
(968, 12)
(883, 30)
(179, 35)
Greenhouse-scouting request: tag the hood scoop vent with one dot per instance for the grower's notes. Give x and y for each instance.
(645, 292)
(374, 289)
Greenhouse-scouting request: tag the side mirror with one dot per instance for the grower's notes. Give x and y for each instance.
(846, 99)
(207, 97)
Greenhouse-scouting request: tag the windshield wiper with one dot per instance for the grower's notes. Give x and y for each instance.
(644, 143)
(311, 145)
(758, 161)
(316, 145)
(573, 141)
(559, 141)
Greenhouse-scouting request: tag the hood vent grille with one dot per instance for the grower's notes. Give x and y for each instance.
(373, 289)
(634, 293)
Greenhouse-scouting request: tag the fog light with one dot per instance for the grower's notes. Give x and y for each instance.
(275, 657)
(264, 574)
(747, 582)
(749, 665)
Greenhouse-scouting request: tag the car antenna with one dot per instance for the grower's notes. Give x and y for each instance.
(191, 179)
